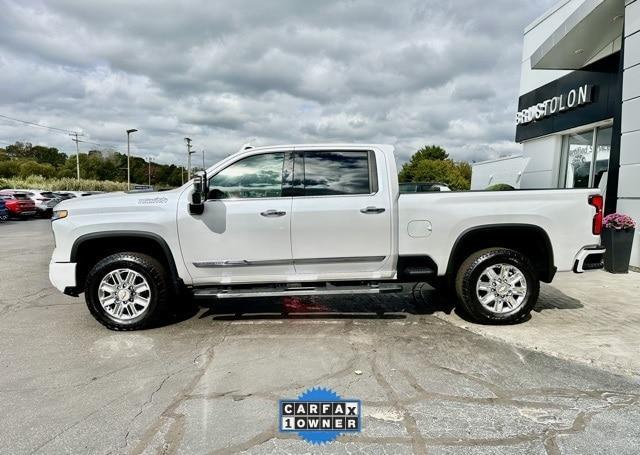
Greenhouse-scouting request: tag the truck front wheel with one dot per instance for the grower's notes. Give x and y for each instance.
(497, 285)
(126, 291)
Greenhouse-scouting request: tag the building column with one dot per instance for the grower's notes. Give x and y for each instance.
(629, 175)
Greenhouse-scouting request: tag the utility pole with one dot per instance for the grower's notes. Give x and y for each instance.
(189, 153)
(182, 174)
(77, 152)
(203, 166)
(133, 130)
(149, 171)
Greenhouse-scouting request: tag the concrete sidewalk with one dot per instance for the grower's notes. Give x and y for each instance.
(591, 318)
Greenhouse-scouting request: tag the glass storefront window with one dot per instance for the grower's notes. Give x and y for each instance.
(586, 157)
(603, 149)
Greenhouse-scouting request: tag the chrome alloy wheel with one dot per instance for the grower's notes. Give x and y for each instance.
(501, 288)
(124, 294)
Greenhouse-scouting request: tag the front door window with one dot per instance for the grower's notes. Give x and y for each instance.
(257, 176)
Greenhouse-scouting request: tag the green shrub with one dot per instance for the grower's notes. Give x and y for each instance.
(500, 187)
(61, 184)
(9, 168)
(29, 168)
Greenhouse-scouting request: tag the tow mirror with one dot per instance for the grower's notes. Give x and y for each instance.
(196, 207)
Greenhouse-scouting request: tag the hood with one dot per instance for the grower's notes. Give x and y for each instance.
(119, 200)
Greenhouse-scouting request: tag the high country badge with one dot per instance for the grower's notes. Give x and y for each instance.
(320, 415)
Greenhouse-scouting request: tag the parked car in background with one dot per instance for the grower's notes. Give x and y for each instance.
(4, 213)
(18, 204)
(73, 194)
(64, 195)
(45, 201)
(422, 187)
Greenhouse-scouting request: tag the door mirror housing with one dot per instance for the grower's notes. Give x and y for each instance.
(196, 206)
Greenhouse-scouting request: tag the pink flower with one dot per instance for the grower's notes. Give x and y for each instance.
(618, 221)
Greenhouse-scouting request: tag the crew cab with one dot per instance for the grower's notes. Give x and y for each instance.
(317, 220)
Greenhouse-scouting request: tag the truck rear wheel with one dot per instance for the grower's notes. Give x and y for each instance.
(497, 285)
(127, 291)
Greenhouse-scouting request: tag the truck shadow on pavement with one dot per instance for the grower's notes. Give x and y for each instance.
(414, 301)
(418, 299)
(552, 298)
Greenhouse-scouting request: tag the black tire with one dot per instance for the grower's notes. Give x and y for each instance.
(154, 273)
(470, 272)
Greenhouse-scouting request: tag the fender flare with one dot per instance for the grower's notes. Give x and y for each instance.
(540, 231)
(173, 270)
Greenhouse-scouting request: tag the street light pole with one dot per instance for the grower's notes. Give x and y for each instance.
(132, 130)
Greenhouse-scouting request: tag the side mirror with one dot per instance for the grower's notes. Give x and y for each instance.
(196, 207)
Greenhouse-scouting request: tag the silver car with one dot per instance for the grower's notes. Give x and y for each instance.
(45, 201)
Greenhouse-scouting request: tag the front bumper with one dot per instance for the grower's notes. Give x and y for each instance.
(63, 276)
(589, 258)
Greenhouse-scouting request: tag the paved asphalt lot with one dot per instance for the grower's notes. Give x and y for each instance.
(209, 382)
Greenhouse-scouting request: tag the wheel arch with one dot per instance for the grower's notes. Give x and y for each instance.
(531, 240)
(90, 248)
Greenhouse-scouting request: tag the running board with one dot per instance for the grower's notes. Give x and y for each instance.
(221, 293)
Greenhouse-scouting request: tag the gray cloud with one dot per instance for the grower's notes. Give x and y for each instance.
(409, 73)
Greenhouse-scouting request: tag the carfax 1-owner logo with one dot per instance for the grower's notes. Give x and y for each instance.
(320, 415)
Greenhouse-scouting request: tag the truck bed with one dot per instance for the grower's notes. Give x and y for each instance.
(442, 217)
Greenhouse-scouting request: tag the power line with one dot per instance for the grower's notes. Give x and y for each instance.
(52, 128)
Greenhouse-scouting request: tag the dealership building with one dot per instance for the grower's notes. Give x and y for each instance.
(578, 116)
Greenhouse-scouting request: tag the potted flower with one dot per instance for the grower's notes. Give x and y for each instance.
(617, 237)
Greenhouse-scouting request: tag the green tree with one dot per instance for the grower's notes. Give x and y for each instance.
(432, 164)
(445, 171)
(29, 168)
(9, 168)
(19, 150)
(49, 155)
(465, 169)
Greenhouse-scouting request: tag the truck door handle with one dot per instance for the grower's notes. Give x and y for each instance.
(372, 210)
(272, 213)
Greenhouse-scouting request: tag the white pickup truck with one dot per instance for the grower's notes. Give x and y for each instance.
(317, 220)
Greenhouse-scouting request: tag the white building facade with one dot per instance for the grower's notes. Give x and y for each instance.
(578, 116)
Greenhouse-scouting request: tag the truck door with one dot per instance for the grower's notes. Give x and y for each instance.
(341, 224)
(244, 232)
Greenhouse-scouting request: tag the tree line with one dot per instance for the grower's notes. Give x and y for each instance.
(23, 159)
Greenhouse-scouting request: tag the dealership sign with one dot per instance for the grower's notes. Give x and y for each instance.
(556, 105)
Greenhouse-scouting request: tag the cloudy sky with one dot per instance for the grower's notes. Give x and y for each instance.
(228, 72)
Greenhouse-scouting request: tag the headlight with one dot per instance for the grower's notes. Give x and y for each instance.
(59, 214)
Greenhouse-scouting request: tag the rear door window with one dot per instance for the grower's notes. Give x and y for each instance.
(334, 173)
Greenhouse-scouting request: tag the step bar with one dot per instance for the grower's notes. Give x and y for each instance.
(231, 293)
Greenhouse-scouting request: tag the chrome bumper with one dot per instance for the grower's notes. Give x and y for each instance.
(589, 258)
